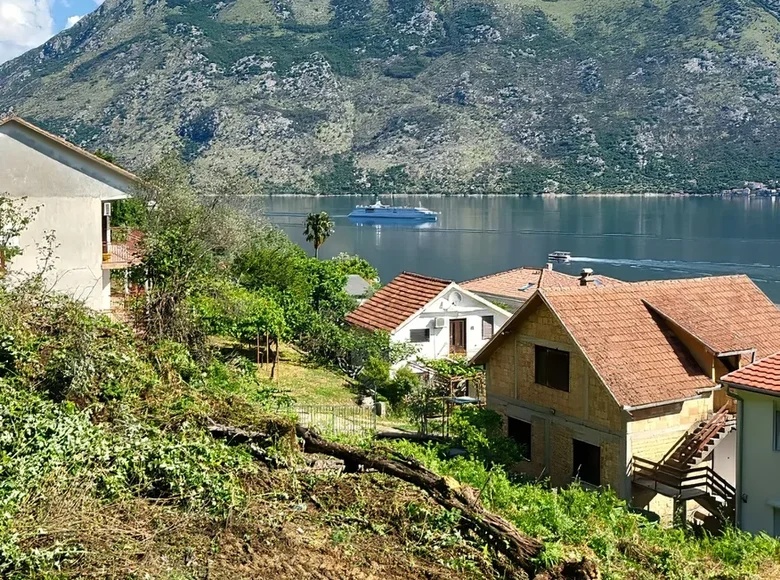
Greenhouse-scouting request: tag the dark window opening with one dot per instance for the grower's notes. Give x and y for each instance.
(420, 335)
(520, 432)
(487, 327)
(587, 462)
(551, 368)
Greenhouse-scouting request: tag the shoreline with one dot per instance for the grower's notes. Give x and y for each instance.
(507, 195)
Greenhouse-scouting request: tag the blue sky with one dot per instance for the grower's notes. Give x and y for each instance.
(26, 24)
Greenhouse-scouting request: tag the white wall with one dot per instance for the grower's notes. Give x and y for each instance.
(439, 345)
(724, 458)
(35, 166)
(760, 463)
(77, 271)
(69, 188)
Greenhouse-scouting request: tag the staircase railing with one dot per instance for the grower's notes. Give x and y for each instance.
(702, 479)
(694, 441)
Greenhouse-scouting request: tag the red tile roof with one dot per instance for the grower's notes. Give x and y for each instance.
(520, 283)
(763, 375)
(711, 332)
(393, 304)
(637, 353)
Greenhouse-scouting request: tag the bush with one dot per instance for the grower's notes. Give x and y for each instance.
(479, 431)
(375, 376)
(399, 387)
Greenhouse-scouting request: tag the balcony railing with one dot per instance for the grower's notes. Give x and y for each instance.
(123, 250)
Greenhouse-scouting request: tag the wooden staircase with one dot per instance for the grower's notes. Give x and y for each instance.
(700, 484)
(699, 441)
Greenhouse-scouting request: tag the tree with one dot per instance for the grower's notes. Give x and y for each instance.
(14, 219)
(317, 228)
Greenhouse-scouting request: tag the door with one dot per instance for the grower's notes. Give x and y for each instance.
(458, 336)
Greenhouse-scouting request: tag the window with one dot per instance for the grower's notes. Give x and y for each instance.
(487, 327)
(587, 462)
(520, 431)
(551, 368)
(777, 429)
(420, 335)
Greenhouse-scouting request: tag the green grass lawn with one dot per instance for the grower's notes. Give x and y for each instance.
(306, 383)
(309, 384)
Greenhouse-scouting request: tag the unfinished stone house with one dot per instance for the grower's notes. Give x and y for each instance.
(619, 385)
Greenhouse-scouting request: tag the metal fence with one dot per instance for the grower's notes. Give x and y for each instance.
(337, 419)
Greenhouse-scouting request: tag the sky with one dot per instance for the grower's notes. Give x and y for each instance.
(26, 24)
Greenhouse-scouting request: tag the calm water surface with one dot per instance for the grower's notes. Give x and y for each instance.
(631, 238)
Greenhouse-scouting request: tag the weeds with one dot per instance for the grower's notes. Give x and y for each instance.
(574, 521)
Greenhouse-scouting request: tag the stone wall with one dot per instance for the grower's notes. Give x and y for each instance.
(587, 412)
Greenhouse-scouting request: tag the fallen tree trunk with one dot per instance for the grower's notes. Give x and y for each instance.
(501, 535)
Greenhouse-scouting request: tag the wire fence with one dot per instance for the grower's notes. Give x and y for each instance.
(337, 419)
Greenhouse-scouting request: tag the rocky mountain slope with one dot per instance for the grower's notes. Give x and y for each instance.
(431, 95)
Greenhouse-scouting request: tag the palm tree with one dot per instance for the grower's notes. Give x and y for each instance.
(318, 228)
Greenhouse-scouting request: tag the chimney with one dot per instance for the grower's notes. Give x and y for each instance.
(548, 266)
(586, 277)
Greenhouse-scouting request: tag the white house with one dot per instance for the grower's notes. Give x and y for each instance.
(756, 387)
(73, 190)
(438, 316)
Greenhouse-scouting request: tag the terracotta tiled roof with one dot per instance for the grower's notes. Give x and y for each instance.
(395, 303)
(520, 283)
(516, 283)
(711, 332)
(763, 375)
(635, 350)
(71, 146)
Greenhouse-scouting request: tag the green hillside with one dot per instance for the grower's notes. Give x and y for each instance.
(422, 95)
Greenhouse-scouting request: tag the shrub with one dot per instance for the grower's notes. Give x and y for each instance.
(479, 431)
(399, 387)
(374, 377)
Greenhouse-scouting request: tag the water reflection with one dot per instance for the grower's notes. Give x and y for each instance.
(391, 223)
(628, 237)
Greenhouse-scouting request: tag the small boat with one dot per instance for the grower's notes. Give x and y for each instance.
(558, 256)
(378, 210)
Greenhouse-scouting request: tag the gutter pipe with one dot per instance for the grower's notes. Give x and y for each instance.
(740, 439)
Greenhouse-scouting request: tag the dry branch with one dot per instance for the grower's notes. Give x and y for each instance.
(498, 533)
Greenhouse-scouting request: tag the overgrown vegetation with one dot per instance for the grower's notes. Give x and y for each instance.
(106, 448)
(576, 521)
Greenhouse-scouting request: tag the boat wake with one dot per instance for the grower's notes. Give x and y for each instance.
(758, 272)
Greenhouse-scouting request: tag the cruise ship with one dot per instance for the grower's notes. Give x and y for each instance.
(379, 210)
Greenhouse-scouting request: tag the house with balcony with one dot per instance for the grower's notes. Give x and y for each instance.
(74, 191)
(438, 316)
(513, 287)
(619, 386)
(756, 390)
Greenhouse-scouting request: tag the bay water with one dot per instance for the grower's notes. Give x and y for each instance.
(626, 237)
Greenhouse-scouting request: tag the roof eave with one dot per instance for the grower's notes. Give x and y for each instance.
(73, 147)
(760, 391)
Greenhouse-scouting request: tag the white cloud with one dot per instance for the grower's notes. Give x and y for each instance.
(24, 24)
(72, 20)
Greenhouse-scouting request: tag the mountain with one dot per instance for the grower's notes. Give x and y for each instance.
(421, 95)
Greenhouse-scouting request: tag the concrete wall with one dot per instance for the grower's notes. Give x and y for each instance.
(588, 412)
(76, 223)
(760, 464)
(439, 345)
(724, 458)
(35, 166)
(69, 189)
